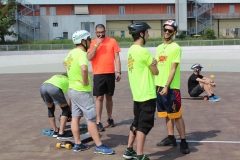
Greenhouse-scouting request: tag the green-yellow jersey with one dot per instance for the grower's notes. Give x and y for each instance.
(74, 60)
(140, 75)
(59, 81)
(166, 54)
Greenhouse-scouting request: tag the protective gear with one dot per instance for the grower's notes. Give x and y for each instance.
(196, 67)
(133, 129)
(171, 23)
(66, 111)
(80, 35)
(138, 27)
(51, 111)
(174, 25)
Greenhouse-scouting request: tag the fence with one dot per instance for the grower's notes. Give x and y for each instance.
(121, 44)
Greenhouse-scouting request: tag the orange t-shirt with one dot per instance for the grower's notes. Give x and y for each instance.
(103, 61)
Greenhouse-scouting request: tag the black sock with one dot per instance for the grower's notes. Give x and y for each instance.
(130, 148)
(171, 136)
(183, 140)
(213, 95)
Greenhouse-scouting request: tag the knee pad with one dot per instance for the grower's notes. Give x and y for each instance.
(51, 111)
(66, 111)
(133, 129)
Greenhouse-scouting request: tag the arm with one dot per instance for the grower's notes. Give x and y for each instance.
(170, 78)
(153, 67)
(118, 66)
(92, 53)
(84, 70)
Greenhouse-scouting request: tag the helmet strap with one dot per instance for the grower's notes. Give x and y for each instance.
(144, 41)
(85, 47)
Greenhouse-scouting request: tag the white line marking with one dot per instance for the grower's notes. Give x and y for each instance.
(193, 141)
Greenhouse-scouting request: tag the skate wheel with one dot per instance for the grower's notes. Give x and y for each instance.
(58, 145)
(68, 146)
(50, 133)
(44, 132)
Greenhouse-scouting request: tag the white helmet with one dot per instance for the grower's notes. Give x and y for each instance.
(171, 23)
(78, 36)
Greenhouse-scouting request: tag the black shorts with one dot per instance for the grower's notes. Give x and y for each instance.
(144, 115)
(196, 91)
(103, 84)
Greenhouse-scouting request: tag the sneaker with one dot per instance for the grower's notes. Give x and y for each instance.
(100, 127)
(64, 136)
(103, 149)
(212, 99)
(129, 154)
(167, 142)
(216, 97)
(110, 122)
(80, 147)
(143, 157)
(55, 134)
(184, 148)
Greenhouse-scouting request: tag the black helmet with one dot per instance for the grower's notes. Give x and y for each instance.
(196, 67)
(138, 27)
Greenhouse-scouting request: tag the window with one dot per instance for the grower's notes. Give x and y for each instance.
(122, 34)
(121, 9)
(52, 11)
(43, 11)
(169, 10)
(227, 32)
(65, 35)
(236, 32)
(232, 9)
(55, 24)
(112, 33)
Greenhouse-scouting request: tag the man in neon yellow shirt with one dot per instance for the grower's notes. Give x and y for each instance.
(141, 70)
(52, 92)
(167, 83)
(80, 93)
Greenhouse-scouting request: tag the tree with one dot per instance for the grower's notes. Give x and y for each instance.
(209, 34)
(7, 18)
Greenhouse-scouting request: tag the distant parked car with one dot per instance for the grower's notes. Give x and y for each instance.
(58, 38)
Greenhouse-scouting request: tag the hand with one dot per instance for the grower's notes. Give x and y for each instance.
(118, 77)
(213, 84)
(210, 80)
(99, 40)
(154, 62)
(83, 83)
(164, 91)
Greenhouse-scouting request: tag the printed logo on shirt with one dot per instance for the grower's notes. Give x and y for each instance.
(69, 61)
(162, 58)
(130, 63)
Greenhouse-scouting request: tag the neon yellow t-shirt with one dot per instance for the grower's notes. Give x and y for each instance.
(74, 60)
(59, 81)
(140, 75)
(166, 54)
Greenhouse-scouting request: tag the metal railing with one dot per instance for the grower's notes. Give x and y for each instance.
(28, 47)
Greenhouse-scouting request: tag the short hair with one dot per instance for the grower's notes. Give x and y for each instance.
(100, 26)
(65, 74)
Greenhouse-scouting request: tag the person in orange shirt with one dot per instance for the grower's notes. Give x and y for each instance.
(104, 55)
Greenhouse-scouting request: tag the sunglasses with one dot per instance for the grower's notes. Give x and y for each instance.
(169, 30)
